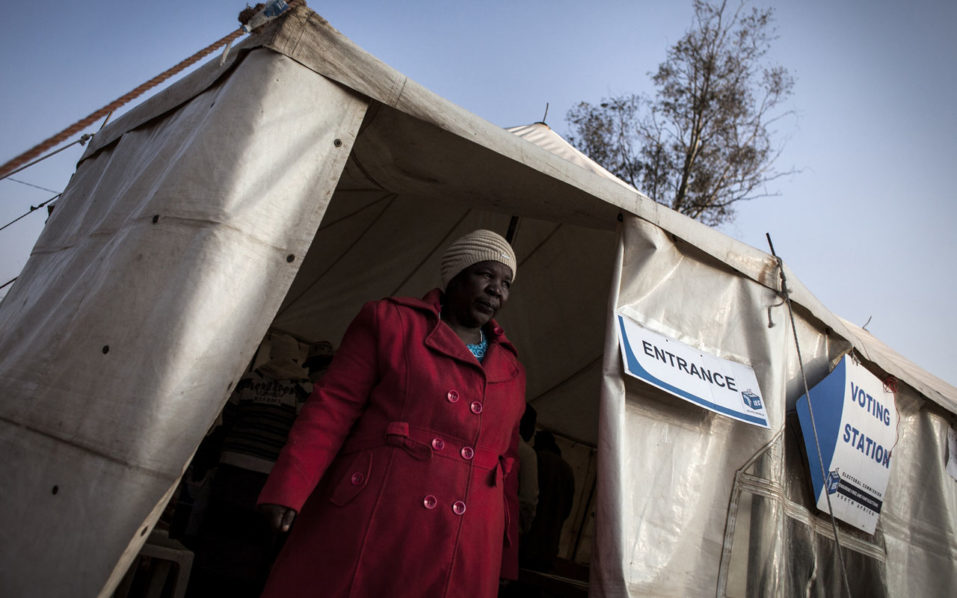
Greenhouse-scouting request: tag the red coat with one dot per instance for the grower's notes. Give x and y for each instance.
(403, 463)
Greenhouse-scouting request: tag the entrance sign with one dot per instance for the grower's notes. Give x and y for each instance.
(857, 428)
(722, 386)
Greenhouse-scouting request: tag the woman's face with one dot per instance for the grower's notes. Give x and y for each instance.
(476, 294)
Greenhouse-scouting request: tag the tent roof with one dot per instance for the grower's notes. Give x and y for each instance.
(534, 172)
(544, 137)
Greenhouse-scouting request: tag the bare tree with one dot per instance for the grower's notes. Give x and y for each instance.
(703, 142)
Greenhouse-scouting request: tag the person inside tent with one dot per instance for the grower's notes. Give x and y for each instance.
(528, 473)
(232, 547)
(556, 495)
(399, 476)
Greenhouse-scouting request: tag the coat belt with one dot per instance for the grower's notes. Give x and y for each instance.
(417, 442)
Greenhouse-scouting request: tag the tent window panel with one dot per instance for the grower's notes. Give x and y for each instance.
(774, 553)
(866, 574)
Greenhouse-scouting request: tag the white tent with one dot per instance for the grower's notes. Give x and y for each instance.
(302, 177)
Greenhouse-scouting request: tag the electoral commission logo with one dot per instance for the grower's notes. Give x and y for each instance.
(851, 492)
(750, 399)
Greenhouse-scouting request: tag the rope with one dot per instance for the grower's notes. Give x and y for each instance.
(807, 393)
(12, 166)
(259, 15)
(269, 12)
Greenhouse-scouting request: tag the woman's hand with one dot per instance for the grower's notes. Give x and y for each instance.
(280, 518)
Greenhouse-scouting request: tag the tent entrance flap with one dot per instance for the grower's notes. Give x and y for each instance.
(117, 353)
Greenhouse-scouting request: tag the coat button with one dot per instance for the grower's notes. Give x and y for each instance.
(467, 452)
(458, 507)
(357, 478)
(498, 331)
(476, 407)
(429, 502)
(452, 396)
(438, 444)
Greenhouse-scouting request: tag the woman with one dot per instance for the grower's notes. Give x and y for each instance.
(401, 470)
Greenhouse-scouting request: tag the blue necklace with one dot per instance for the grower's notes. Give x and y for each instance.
(479, 348)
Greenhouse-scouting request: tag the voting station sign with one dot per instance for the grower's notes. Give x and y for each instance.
(857, 428)
(722, 386)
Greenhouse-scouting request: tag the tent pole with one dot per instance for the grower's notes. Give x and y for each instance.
(512, 226)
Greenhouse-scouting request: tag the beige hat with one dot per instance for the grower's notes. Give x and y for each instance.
(477, 246)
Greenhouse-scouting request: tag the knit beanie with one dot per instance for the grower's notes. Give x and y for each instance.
(477, 246)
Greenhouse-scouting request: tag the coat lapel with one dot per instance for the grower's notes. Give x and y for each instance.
(444, 340)
(440, 337)
(500, 363)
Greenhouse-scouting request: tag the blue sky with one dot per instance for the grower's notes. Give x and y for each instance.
(865, 224)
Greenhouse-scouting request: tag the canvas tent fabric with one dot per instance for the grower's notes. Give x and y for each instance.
(301, 177)
(766, 540)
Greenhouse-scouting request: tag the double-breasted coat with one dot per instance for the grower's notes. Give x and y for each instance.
(402, 465)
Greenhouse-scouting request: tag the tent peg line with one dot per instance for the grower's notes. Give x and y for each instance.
(82, 141)
(28, 184)
(786, 294)
(30, 211)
